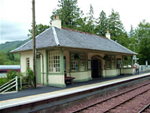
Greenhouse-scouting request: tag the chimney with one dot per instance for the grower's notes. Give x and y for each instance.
(56, 22)
(107, 34)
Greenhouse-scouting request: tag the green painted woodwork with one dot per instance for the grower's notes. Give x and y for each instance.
(61, 62)
(46, 57)
(38, 70)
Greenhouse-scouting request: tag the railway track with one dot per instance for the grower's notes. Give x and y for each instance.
(145, 109)
(102, 104)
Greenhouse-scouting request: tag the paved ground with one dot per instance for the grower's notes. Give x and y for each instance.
(45, 89)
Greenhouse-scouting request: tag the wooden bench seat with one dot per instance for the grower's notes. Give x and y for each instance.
(69, 80)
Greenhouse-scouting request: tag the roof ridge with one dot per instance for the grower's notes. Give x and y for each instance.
(83, 32)
(55, 36)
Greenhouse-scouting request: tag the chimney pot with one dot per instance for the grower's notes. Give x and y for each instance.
(56, 22)
(107, 34)
(57, 17)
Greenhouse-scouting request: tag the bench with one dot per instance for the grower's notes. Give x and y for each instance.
(69, 80)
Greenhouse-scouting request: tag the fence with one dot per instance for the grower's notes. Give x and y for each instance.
(9, 85)
(144, 68)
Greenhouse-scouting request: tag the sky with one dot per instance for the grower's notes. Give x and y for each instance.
(16, 15)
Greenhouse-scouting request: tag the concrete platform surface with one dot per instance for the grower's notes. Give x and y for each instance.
(47, 92)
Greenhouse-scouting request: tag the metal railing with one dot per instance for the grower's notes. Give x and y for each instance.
(144, 68)
(9, 85)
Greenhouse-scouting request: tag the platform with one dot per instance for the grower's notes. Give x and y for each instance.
(43, 93)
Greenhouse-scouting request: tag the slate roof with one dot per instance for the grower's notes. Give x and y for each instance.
(53, 37)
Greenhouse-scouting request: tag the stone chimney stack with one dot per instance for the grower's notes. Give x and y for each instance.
(108, 34)
(56, 22)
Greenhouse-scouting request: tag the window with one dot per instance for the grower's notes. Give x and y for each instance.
(27, 62)
(78, 62)
(82, 62)
(74, 62)
(127, 61)
(54, 61)
(110, 62)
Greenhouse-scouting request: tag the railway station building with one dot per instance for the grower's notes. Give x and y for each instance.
(62, 52)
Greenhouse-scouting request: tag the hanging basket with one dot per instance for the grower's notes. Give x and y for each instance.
(125, 58)
(76, 56)
(105, 57)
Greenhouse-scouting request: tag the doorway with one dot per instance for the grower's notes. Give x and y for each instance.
(96, 68)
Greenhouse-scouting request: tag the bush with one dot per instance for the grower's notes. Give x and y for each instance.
(3, 81)
(29, 78)
(12, 74)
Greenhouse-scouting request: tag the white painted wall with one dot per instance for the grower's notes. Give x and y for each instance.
(81, 76)
(127, 71)
(56, 79)
(23, 64)
(110, 73)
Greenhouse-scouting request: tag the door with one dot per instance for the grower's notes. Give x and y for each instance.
(96, 68)
(38, 70)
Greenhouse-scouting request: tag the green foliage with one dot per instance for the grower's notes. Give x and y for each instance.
(69, 13)
(3, 81)
(12, 74)
(29, 78)
(2, 58)
(116, 29)
(6, 58)
(8, 46)
(102, 24)
(143, 33)
(38, 29)
(90, 21)
(140, 41)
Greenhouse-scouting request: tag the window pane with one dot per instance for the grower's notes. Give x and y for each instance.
(54, 61)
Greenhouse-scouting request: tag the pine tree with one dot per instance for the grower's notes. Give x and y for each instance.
(116, 29)
(143, 34)
(69, 13)
(90, 21)
(102, 24)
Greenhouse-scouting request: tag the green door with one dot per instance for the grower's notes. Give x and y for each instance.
(38, 70)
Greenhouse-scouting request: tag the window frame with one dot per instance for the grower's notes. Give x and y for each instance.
(27, 62)
(54, 62)
(82, 61)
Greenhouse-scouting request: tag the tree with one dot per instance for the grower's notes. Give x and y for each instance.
(143, 34)
(2, 58)
(132, 32)
(38, 29)
(117, 30)
(10, 56)
(133, 40)
(68, 12)
(102, 24)
(90, 21)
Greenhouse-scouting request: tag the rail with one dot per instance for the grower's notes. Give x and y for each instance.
(9, 85)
